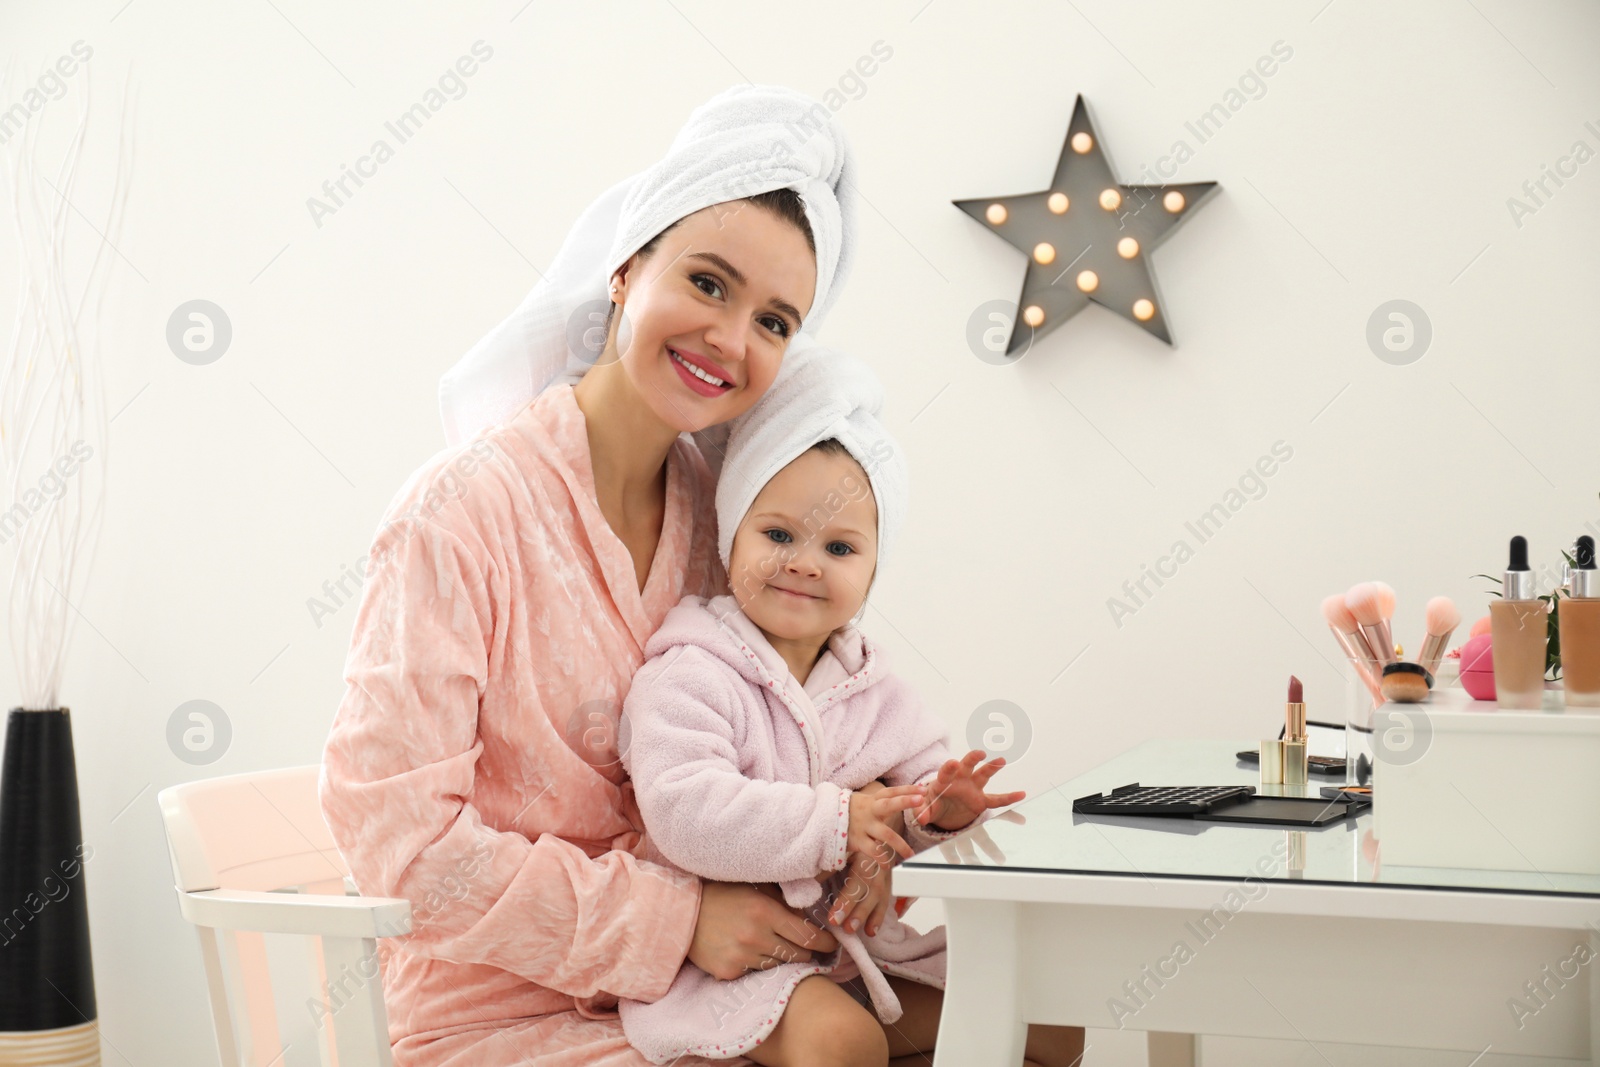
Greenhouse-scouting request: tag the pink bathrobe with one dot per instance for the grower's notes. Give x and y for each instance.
(744, 775)
(472, 765)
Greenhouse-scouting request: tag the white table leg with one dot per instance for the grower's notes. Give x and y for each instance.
(980, 1025)
(1594, 997)
(1170, 1050)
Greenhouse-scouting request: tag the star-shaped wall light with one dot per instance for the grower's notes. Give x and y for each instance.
(1087, 238)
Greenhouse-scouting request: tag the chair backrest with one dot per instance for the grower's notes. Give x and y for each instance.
(262, 831)
(271, 1001)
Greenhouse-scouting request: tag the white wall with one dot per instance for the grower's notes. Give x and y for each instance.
(1376, 165)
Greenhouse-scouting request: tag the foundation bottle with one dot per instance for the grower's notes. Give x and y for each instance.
(1579, 617)
(1519, 624)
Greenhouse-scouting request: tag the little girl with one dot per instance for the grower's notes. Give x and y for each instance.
(759, 722)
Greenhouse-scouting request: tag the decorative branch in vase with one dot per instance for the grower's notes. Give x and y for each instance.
(52, 421)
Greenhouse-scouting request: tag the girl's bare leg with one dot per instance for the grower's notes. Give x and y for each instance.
(822, 1026)
(911, 1037)
(1054, 1046)
(915, 1031)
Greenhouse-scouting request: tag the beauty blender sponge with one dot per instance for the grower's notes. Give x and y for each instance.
(1477, 667)
(1480, 627)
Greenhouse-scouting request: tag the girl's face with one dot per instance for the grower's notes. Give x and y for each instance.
(724, 292)
(804, 554)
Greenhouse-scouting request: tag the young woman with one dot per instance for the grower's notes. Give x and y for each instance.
(472, 765)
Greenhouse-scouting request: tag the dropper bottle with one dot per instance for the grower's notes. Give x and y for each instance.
(1580, 630)
(1518, 622)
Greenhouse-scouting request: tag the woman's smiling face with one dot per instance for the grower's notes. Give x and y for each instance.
(724, 292)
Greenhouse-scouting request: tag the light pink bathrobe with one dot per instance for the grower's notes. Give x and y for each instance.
(745, 775)
(472, 765)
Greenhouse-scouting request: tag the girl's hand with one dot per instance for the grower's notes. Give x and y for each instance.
(957, 796)
(865, 898)
(871, 816)
(897, 820)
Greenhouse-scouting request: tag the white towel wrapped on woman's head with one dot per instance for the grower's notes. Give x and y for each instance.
(820, 392)
(746, 140)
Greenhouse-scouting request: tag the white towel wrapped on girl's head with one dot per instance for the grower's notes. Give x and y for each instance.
(820, 392)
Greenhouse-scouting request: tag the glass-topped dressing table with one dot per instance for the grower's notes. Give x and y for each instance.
(1177, 926)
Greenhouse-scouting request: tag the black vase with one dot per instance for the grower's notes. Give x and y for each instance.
(47, 1004)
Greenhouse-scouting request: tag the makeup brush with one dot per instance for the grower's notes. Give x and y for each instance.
(1442, 617)
(1372, 603)
(1386, 605)
(1348, 634)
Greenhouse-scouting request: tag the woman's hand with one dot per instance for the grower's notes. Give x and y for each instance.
(744, 927)
(957, 794)
(872, 814)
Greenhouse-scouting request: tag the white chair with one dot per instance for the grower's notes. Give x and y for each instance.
(252, 858)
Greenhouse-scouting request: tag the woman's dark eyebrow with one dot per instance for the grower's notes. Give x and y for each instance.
(738, 276)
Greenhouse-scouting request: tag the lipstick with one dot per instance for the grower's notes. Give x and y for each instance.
(1295, 766)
